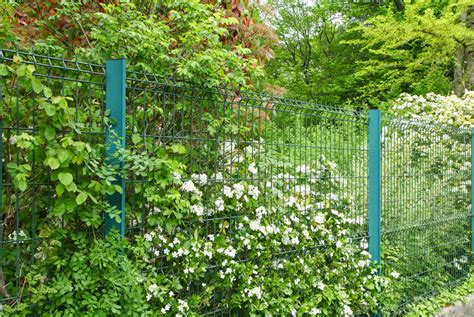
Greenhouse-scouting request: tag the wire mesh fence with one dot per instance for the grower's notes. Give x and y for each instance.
(288, 157)
(250, 162)
(426, 212)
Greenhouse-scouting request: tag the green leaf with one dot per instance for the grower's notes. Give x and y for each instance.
(21, 71)
(22, 184)
(47, 92)
(49, 133)
(31, 68)
(71, 187)
(63, 155)
(3, 70)
(37, 85)
(53, 163)
(136, 138)
(118, 188)
(81, 198)
(65, 178)
(60, 189)
(50, 109)
(178, 149)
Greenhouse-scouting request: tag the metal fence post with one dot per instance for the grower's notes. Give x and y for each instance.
(115, 76)
(472, 195)
(375, 188)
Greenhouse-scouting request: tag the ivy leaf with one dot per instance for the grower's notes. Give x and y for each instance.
(37, 85)
(81, 198)
(65, 178)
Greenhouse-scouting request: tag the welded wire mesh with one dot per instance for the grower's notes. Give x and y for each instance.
(277, 147)
(426, 215)
(28, 215)
(263, 148)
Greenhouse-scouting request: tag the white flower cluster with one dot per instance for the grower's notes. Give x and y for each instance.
(450, 110)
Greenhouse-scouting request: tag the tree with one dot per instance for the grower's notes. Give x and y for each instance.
(196, 40)
(311, 59)
(412, 50)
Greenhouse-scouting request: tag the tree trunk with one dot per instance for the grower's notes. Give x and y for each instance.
(464, 67)
(469, 53)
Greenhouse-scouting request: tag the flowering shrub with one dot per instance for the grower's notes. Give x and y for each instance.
(281, 247)
(450, 110)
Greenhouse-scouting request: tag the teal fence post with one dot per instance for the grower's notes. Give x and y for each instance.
(115, 76)
(375, 188)
(472, 194)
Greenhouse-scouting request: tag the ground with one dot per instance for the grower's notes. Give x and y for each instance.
(460, 309)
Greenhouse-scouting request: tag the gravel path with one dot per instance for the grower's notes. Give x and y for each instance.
(458, 310)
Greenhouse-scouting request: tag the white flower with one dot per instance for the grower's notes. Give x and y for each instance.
(261, 211)
(395, 274)
(252, 168)
(177, 176)
(228, 192)
(188, 186)
(238, 190)
(148, 297)
(253, 191)
(255, 225)
(290, 202)
(347, 311)
(303, 169)
(201, 179)
(321, 286)
(182, 305)
(320, 205)
(147, 237)
(227, 147)
(256, 291)
(319, 219)
(198, 210)
(165, 309)
(230, 251)
(219, 204)
(314, 311)
(153, 288)
(303, 190)
(338, 244)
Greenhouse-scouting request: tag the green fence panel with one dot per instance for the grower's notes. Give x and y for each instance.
(404, 186)
(472, 195)
(426, 177)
